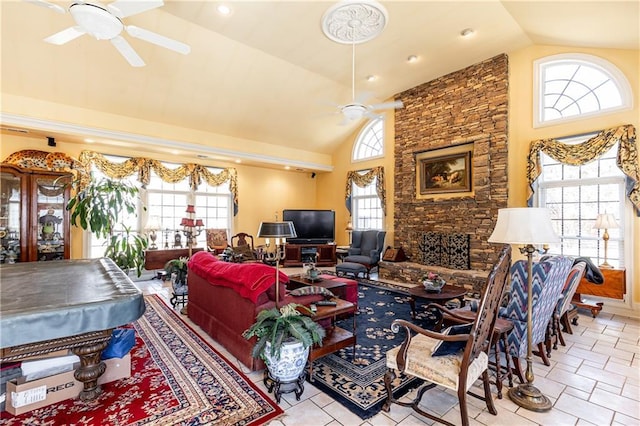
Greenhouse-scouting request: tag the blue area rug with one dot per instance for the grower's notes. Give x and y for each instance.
(358, 384)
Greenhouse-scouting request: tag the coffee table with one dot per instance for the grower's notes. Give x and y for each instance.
(447, 293)
(337, 337)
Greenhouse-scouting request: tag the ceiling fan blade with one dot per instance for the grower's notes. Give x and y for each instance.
(65, 36)
(44, 3)
(386, 105)
(158, 39)
(126, 8)
(127, 51)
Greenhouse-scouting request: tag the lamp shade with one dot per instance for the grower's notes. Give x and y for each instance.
(190, 208)
(524, 225)
(605, 221)
(277, 230)
(153, 224)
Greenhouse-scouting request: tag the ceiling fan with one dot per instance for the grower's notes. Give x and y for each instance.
(357, 109)
(351, 22)
(105, 23)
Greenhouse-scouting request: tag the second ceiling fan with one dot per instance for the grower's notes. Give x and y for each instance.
(354, 22)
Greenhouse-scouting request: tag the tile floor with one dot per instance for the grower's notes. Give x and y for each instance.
(594, 380)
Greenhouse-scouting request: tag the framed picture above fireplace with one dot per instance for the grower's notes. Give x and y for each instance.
(444, 171)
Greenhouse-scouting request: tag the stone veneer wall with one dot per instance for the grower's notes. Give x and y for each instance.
(467, 106)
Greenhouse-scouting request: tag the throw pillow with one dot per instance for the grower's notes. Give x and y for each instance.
(311, 289)
(444, 348)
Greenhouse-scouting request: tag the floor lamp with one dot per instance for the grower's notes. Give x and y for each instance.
(527, 227)
(277, 230)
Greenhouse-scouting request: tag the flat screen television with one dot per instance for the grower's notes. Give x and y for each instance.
(312, 226)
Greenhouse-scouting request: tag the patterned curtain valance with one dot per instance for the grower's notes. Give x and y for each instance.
(143, 167)
(579, 154)
(363, 180)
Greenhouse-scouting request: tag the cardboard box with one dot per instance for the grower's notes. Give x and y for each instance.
(27, 396)
(23, 396)
(117, 368)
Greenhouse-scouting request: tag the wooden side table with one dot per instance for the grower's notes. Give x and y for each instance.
(614, 287)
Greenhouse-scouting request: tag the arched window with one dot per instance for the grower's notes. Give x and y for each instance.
(576, 86)
(370, 142)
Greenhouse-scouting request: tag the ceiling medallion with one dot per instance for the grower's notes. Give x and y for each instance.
(354, 21)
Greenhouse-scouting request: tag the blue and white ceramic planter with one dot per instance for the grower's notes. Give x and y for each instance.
(290, 364)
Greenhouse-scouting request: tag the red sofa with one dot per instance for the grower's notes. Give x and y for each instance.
(224, 299)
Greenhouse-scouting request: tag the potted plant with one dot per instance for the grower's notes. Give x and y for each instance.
(284, 337)
(99, 208)
(179, 268)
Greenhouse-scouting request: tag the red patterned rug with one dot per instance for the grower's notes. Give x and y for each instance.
(176, 378)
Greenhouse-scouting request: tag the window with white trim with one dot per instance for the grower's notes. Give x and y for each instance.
(575, 86)
(575, 195)
(366, 209)
(169, 201)
(370, 141)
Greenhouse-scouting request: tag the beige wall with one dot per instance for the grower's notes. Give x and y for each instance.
(521, 131)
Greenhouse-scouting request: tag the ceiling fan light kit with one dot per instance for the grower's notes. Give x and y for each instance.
(105, 23)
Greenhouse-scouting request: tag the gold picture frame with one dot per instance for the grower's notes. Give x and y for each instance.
(445, 174)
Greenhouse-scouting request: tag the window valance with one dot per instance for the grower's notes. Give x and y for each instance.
(363, 180)
(143, 167)
(582, 153)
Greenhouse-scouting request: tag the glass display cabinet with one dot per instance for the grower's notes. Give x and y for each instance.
(34, 224)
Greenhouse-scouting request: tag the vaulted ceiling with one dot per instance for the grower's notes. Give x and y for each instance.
(267, 73)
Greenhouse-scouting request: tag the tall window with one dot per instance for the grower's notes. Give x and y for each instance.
(575, 196)
(572, 86)
(370, 141)
(366, 209)
(169, 201)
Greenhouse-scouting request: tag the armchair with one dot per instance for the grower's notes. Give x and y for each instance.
(366, 248)
(242, 245)
(456, 370)
(217, 240)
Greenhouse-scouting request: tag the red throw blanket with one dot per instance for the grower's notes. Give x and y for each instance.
(249, 280)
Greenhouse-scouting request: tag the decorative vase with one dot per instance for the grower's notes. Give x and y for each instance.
(434, 286)
(291, 362)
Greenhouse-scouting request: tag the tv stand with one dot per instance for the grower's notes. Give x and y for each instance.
(299, 254)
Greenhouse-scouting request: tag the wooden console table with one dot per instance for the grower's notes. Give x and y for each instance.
(614, 287)
(156, 259)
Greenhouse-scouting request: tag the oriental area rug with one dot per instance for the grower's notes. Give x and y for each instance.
(358, 384)
(176, 378)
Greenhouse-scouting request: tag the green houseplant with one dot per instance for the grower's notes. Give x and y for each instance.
(178, 267)
(284, 337)
(99, 208)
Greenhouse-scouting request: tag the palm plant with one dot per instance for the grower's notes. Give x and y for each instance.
(276, 326)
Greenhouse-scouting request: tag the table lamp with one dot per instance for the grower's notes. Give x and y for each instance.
(153, 225)
(277, 230)
(527, 227)
(605, 221)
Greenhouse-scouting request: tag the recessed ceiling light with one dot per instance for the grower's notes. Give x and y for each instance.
(287, 168)
(89, 140)
(223, 10)
(412, 58)
(238, 161)
(371, 78)
(467, 32)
